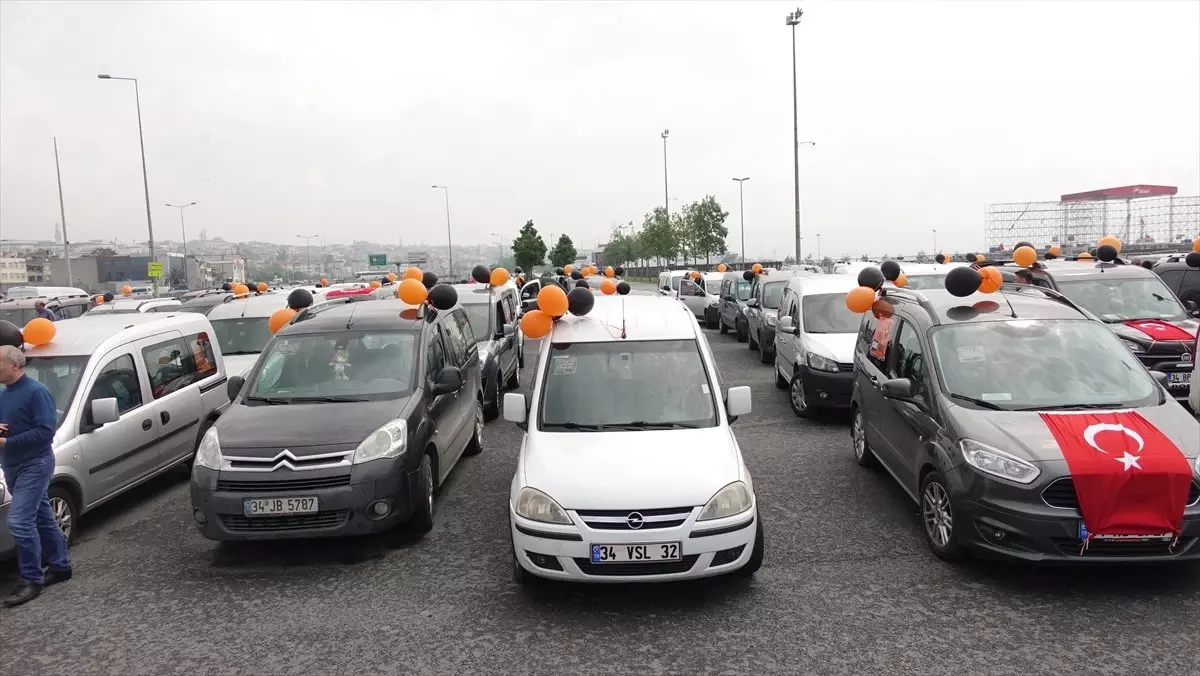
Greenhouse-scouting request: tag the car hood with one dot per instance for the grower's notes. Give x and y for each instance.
(239, 364)
(1025, 435)
(631, 470)
(271, 427)
(839, 346)
(1144, 338)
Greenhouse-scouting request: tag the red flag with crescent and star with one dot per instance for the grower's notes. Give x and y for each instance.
(1130, 478)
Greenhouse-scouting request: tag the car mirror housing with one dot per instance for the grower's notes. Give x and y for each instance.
(787, 325)
(105, 411)
(1160, 377)
(449, 379)
(515, 410)
(897, 388)
(233, 386)
(737, 402)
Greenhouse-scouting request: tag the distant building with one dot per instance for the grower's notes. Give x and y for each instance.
(13, 272)
(109, 273)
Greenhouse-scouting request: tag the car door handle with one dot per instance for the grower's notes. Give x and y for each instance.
(165, 417)
(147, 424)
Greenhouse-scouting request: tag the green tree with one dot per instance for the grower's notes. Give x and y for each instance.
(563, 252)
(621, 248)
(528, 248)
(658, 238)
(104, 251)
(704, 225)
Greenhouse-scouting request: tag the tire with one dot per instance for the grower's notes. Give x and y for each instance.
(752, 343)
(743, 336)
(492, 411)
(941, 533)
(863, 455)
(475, 445)
(521, 354)
(514, 381)
(710, 323)
(781, 383)
(421, 521)
(796, 397)
(66, 512)
(721, 325)
(520, 575)
(766, 356)
(756, 555)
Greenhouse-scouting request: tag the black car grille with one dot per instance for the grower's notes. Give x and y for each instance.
(1061, 494)
(845, 368)
(244, 524)
(592, 517)
(1114, 549)
(283, 484)
(627, 569)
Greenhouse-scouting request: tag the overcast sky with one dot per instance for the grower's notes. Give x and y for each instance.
(335, 118)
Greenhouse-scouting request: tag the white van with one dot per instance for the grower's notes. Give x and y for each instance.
(18, 292)
(814, 343)
(702, 297)
(240, 326)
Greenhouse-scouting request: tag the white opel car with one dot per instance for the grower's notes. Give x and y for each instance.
(629, 470)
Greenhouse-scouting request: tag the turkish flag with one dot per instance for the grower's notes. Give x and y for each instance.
(1130, 479)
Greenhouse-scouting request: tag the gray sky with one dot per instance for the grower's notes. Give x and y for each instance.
(335, 118)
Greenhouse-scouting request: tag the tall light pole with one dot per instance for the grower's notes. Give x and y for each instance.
(742, 216)
(818, 248)
(137, 99)
(793, 20)
(449, 245)
(183, 234)
(501, 238)
(666, 191)
(62, 212)
(307, 255)
(935, 251)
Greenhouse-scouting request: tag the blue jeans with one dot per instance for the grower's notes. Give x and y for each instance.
(31, 520)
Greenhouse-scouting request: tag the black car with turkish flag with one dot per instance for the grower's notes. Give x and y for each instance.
(1023, 428)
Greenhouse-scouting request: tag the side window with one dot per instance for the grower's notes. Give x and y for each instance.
(874, 336)
(1172, 279)
(465, 332)
(118, 380)
(501, 316)
(164, 366)
(530, 291)
(435, 356)
(908, 359)
(1044, 283)
(794, 307)
(456, 347)
(203, 361)
(1190, 288)
(726, 287)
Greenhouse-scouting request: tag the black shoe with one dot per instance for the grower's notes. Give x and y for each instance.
(24, 592)
(56, 575)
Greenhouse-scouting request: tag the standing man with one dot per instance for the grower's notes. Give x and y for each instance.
(41, 310)
(27, 423)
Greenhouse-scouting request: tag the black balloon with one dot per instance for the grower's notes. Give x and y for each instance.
(580, 301)
(575, 274)
(1192, 259)
(748, 275)
(558, 271)
(940, 258)
(871, 277)
(299, 299)
(10, 334)
(1049, 256)
(443, 296)
(623, 288)
(890, 270)
(1094, 251)
(619, 270)
(480, 274)
(517, 270)
(1106, 253)
(963, 281)
(227, 287)
(969, 257)
(1021, 244)
(581, 284)
(108, 297)
(429, 279)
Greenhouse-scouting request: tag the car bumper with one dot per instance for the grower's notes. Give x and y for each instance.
(710, 315)
(344, 509)
(1014, 524)
(827, 390)
(564, 552)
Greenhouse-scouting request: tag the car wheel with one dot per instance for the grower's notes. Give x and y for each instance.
(743, 335)
(766, 356)
(520, 575)
(492, 411)
(781, 383)
(65, 511)
(475, 445)
(863, 454)
(937, 516)
(756, 555)
(753, 344)
(721, 325)
(797, 398)
(514, 381)
(421, 520)
(709, 323)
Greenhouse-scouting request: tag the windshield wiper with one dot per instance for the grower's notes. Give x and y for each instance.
(572, 426)
(646, 425)
(330, 399)
(1068, 407)
(228, 354)
(270, 400)
(982, 403)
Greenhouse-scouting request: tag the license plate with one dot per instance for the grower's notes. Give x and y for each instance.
(277, 506)
(1165, 537)
(637, 553)
(1179, 379)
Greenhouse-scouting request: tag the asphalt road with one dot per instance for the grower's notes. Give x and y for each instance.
(848, 588)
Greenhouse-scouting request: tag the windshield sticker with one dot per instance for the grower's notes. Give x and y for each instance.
(288, 348)
(704, 388)
(996, 396)
(563, 366)
(971, 354)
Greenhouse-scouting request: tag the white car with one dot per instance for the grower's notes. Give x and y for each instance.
(129, 305)
(629, 471)
(240, 325)
(702, 297)
(814, 343)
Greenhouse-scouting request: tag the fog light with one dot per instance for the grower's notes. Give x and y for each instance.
(380, 509)
(823, 395)
(199, 517)
(998, 534)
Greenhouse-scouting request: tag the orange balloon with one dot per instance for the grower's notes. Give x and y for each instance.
(860, 299)
(240, 289)
(280, 319)
(721, 267)
(991, 279)
(126, 290)
(552, 300)
(608, 287)
(1110, 239)
(412, 291)
(536, 324)
(375, 284)
(1085, 256)
(756, 268)
(98, 300)
(696, 275)
(609, 272)
(568, 269)
(262, 287)
(1025, 256)
(901, 281)
(391, 277)
(1056, 250)
(499, 277)
(1196, 245)
(39, 331)
(979, 258)
(414, 273)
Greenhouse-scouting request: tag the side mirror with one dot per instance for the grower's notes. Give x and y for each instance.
(897, 388)
(787, 325)
(515, 410)
(737, 402)
(233, 386)
(664, 292)
(449, 379)
(509, 329)
(105, 411)
(1190, 304)
(1160, 377)
(753, 302)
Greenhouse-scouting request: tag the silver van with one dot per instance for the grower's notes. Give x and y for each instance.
(135, 394)
(128, 305)
(240, 325)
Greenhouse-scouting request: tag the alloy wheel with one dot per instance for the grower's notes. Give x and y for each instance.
(479, 422)
(937, 514)
(796, 393)
(860, 436)
(62, 514)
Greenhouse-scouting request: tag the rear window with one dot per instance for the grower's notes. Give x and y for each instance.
(827, 313)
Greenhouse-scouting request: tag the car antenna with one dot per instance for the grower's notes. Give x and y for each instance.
(1011, 311)
(624, 335)
(351, 317)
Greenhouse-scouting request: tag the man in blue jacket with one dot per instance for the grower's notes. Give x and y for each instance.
(27, 423)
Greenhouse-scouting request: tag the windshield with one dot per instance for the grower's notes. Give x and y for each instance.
(927, 282)
(477, 313)
(242, 335)
(1124, 299)
(1038, 363)
(627, 385)
(335, 366)
(60, 375)
(772, 293)
(742, 289)
(712, 286)
(827, 313)
(18, 316)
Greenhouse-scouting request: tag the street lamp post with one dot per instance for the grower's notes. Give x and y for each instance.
(742, 217)
(62, 212)
(666, 191)
(818, 248)
(501, 238)
(145, 181)
(793, 20)
(935, 251)
(183, 234)
(449, 244)
(307, 254)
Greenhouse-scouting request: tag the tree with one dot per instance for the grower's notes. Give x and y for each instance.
(563, 252)
(658, 239)
(528, 248)
(104, 251)
(621, 248)
(922, 257)
(704, 225)
(790, 259)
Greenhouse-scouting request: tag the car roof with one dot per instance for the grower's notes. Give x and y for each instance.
(83, 336)
(1012, 302)
(911, 269)
(814, 284)
(471, 294)
(1080, 270)
(250, 306)
(362, 315)
(643, 318)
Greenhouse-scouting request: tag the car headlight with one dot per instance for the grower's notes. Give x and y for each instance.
(535, 505)
(729, 501)
(388, 441)
(209, 453)
(772, 320)
(998, 463)
(816, 361)
(1133, 347)
(483, 354)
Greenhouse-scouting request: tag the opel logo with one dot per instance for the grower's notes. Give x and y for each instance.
(635, 520)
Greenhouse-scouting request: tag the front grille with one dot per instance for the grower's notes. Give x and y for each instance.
(1061, 494)
(651, 519)
(627, 569)
(293, 522)
(1097, 549)
(845, 367)
(283, 484)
